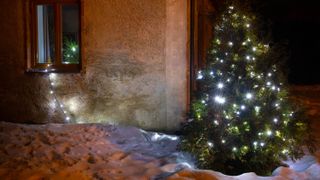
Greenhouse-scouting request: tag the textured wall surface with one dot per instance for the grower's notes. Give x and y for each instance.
(135, 74)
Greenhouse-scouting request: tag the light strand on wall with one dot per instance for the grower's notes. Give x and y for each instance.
(52, 83)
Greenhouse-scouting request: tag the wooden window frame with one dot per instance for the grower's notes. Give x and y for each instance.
(33, 65)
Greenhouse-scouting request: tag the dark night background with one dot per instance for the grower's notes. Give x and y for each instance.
(296, 22)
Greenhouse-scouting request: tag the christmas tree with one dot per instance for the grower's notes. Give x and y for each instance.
(242, 120)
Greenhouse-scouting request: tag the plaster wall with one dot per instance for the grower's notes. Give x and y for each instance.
(135, 72)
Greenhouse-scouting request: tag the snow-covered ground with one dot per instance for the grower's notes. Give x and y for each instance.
(98, 151)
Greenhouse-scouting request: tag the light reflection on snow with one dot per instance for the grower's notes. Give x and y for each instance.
(159, 137)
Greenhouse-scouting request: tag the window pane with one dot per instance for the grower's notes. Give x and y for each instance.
(46, 38)
(70, 34)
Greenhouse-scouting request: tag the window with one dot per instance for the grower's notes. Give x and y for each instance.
(55, 36)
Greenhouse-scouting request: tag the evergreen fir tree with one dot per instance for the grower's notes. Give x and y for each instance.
(242, 118)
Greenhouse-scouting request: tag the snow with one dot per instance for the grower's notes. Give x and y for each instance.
(100, 151)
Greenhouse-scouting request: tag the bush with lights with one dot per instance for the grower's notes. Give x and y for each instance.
(242, 120)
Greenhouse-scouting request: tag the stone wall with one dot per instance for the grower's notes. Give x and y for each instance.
(135, 73)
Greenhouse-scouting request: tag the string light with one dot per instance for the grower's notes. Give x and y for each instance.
(200, 76)
(220, 100)
(220, 85)
(52, 77)
(249, 96)
(269, 133)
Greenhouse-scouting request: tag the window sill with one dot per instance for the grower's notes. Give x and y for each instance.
(65, 68)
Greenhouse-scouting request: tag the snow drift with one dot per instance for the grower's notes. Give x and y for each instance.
(98, 151)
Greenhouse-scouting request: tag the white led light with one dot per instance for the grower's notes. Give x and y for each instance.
(216, 122)
(220, 100)
(243, 107)
(51, 92)
(223, 141)
(255, 143)
(254, 49)
(262, 144)
(220, 85)
(269, 133)
(269, 74)
(211, 73)
(268, 83)
(247, 25)
(210, 144)
(273, 88)
(67, 118)
(249, 96)
(248, 57)
(234, 149)
(275, 120)
(230, 43)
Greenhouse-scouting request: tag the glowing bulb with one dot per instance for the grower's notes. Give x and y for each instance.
(67, 118)
(228, 80)
(231, 7)
(248, 57)
(51, 92)
(211, 73)
(273, 88)
(243, 107)
(200, 76)
(249, 96)
(247, 25)
(216, 122)
(234, 149)
(268, 83)
(276, 105)
(255, 143)
(52, 84)
(269, 74)
(223, 141)
(61, 105)
(65, 112)
(46, 70)
(220, 100)
(238, 113)
(275, 120)
(285, 151)
(230, 43)
(52, 76)
(262, 144)
(210, 144)
(254, 49)
(220, 85)
(269, 133)
(73, 49)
